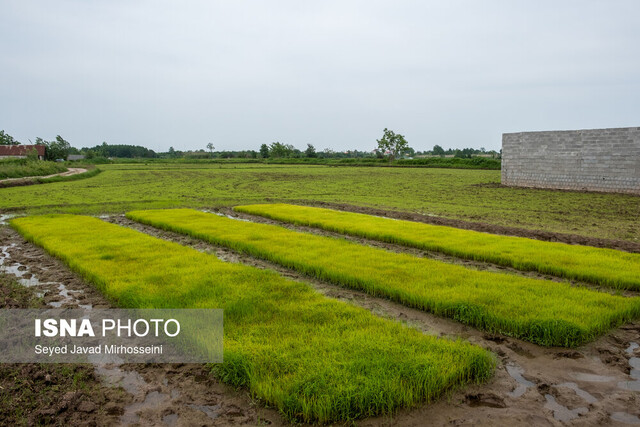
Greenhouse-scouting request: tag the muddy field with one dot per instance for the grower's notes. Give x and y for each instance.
(595, 384)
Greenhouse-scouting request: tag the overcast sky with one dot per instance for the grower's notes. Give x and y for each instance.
(330, 73)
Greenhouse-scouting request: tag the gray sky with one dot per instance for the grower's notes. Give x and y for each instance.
(329, 73)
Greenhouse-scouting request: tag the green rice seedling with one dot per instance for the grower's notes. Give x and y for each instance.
(606, 267)
(543, 312)
(314, 358)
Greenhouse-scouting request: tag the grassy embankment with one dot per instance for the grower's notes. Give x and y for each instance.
(314, 358)
(470, 195)
(543, 312)
(605, 267)
(20, 168)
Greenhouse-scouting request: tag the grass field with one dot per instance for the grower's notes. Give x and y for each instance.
(605, 267)
(314, 358)
(462, 194)
(543, 312)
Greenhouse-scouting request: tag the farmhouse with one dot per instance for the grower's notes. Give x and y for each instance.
(591, 160)
(20, 151)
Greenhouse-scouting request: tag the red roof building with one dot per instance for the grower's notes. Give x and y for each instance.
(21, 150)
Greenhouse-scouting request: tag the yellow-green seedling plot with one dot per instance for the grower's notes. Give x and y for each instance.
(312, 357)
(543, 312)
(607, 267)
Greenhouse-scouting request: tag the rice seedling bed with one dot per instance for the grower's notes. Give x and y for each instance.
(543, 312)
(313, 358)
(606, 267)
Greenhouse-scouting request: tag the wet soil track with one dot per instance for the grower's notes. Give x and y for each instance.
(593, 384)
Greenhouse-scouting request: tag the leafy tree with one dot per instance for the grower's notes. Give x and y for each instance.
(310, 151)
(6, 139)
(394, 143)
(465, 153)
(279, 150)
(58, 149)
(121, 150)
(264, 151)
(210, 147)
(438, 151)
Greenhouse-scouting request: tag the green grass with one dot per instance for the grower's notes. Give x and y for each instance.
(543, 312)
(605, 267)
(313, 358)
(472, 195)
(19, 168)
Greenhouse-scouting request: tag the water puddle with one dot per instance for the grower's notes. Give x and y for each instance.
(153, 400)
(634, 373)
(66, 298)
(211, 411)
(133, 383)
(19, 271)
(146, 400)
(170, 420)
(523, 384)
(227, 216)
(4, 253)
(4, 218)
(626, 418)
(593, 378)
(587, 397)
(561, 412)
(634, 384)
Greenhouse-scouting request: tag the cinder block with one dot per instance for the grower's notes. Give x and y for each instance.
(597, 159)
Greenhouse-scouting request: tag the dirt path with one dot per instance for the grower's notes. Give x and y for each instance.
(598, 383)
(69, 172)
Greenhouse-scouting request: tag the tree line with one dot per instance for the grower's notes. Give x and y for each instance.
(391, 146)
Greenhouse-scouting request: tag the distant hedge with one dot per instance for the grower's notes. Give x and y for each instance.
(429, 162)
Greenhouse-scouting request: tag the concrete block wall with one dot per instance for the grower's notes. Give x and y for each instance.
(590, 160)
